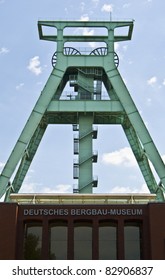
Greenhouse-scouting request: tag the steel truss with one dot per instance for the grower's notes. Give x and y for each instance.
(84, 107)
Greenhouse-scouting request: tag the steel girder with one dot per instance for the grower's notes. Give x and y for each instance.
(120, 109)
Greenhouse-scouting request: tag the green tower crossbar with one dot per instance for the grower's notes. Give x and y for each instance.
(85, 72)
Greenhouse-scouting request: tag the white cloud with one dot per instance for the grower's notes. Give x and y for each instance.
(3, 197)
(1, 165)
(163, 82)
(96, 2)
(125, 190)
(3, 50)
(93, 45)
(34, 65)
(144, 189)
(119, 189)
(29, 186)
(82, 6)
(149, 101)
(152, 80)
(18, 87)
(125, 48)
(32, 187)
(123, 157)
(61, 188)
(116, 46)
(84, 18)
(108, 8)
(163, 157)
(87, 32)
(126, 5)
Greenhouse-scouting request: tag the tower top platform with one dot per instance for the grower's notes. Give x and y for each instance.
(126, 28)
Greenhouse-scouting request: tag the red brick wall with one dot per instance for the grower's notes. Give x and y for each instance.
(157, 230)
(8, 223)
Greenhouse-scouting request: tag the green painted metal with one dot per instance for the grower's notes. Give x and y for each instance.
(85, 72)
(26, 160)
(29, 129)
(140, 156)
(101, 106)
(85, 153)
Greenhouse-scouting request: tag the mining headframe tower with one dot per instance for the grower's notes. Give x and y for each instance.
(86, 72)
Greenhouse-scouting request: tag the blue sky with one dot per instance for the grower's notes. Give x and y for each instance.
(25, 65)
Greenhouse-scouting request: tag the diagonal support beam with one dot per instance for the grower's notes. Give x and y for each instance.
(142, 160)
(30, 127)
(26, 160)
(137, 122)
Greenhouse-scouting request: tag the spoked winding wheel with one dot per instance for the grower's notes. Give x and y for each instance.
(67, 51)
(104, 51)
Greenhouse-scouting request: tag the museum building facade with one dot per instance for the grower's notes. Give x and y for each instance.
(88, 227)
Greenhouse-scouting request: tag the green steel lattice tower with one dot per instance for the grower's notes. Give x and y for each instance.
(85, 72)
